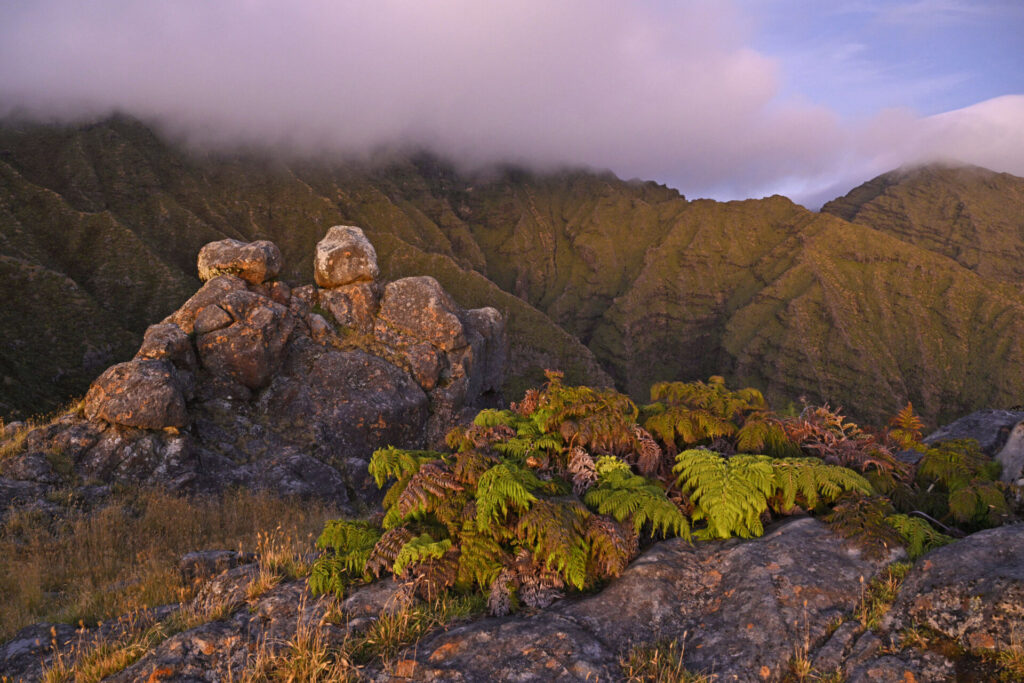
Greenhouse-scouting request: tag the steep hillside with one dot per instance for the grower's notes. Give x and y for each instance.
(970, 214)
(915, 296)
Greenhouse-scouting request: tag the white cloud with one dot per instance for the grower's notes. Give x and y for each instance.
(658, 90)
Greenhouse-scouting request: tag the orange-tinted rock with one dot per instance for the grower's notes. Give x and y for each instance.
(344, 256)
(250, 349)
(420, 308)
(353, 305)
(254, 262)
(210, 293)
(140, 393)
(168, 341)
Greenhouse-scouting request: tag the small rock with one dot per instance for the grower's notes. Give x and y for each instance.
(203, 564)
(319, 329)
(211, 293)
(140, 393)
(344, 256)
(254, 262)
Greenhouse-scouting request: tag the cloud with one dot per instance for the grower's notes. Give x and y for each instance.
(668, 91)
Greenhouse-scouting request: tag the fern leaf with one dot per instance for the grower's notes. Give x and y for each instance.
(917, 534)
(419, 549)
(626, 496)
(504, 486)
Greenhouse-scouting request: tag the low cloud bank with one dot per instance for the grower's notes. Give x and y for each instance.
(658, 91)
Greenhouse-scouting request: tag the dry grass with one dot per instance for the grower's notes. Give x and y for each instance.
(877, 598)
(123, 556)
(14, 444)
(659, 663)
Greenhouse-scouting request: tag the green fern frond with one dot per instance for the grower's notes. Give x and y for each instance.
(347, 546)
(500, 488)
(627, 496)
(397, 463)
(918, 535)
(419, 549)
(730, 495)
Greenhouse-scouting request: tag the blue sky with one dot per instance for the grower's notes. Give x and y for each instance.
(931, 56)
(718, 98)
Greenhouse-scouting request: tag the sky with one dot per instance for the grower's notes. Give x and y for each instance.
(726, 98)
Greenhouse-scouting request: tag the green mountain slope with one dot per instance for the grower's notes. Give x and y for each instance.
(868, 314)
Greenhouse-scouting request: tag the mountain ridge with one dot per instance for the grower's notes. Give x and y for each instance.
(587, 267)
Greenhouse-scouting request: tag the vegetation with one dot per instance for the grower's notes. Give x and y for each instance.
(91, 565)
(560, 492)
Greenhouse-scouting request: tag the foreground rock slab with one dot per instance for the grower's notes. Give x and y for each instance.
(971, 591)
(742, 608)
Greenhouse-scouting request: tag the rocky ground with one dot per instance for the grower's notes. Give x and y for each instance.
(792, 603)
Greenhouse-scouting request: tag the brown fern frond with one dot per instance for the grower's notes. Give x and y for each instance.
(385, 552)
(470, 465)
(529, 403)
(433, 481)
(583, 470)
(906, 427)
(431, 578)
(612, 546)
(649, 457)
(538, 585)
(499, 600)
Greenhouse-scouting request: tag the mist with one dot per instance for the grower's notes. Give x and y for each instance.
(664, 91)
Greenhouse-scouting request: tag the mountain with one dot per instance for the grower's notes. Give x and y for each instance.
(902, 290)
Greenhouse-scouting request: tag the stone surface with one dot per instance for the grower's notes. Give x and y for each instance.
(352, 306)
(420, 308)
(251, 348)
(742, 608)
(209, 294)
(140, 393)
(254, 262)
(203, 564)
(168, 341)
(971, 591)
(990, 428)
(344, 256)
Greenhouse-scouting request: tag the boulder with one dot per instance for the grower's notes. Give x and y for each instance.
(168, 341)
(971, 591)
(148, 394)
(344, 256)
(990, 428)
(251, 348)
(353, 306)
(254, 262)
(489, 324)
(420, 308)
(209, 294)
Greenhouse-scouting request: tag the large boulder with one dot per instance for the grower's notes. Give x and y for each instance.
(254, 262)
(971, 591)
(251, 348)
(344, 256)
(149, 394)
(352, 306)
(742, 609)
(420, 308)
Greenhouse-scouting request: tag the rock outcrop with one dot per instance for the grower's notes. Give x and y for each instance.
(255, 383)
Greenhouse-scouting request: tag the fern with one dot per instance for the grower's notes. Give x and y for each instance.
(906, 427)
(554, 532)
(396, 463)
(347, 546)
(864, 521)
(626, 496)
(419, 549)
(918, 535)
(806, 480)
(501, 488)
